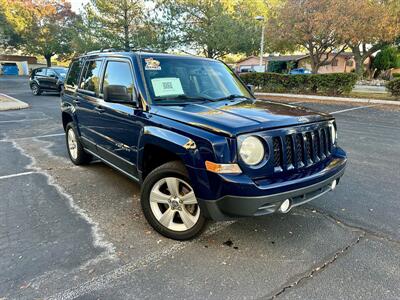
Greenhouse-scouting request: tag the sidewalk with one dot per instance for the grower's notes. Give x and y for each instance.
(329, 98)
(9, 103)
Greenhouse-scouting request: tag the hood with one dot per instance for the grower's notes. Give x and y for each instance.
(235, 117)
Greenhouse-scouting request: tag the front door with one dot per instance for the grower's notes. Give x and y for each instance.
(51, 79)
(121, 123)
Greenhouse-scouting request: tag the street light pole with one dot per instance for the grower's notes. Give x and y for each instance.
(261, 19)
(262, 46)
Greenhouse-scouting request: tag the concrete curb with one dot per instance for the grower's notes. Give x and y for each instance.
(328, 98)
(12, 103)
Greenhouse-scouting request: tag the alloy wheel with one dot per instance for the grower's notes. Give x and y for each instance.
(72, 144)
(174, 204)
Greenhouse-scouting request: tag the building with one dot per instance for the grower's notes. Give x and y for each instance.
(249, 64)
(343, 63)
(22, 62)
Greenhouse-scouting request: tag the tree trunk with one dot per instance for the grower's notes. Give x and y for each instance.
(314, 65)
(48, 59)
(358, 58)
(126, 31)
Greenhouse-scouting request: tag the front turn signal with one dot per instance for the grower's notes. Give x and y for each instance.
(223, 168)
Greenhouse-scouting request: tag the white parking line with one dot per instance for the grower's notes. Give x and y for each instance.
(32, 137)
(106, 280)
(23, 120)
(353, 108)
(16, 175)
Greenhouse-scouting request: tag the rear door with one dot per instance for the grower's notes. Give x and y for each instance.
(88, 111)
(40, 77)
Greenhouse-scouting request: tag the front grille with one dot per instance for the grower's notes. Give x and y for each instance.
(301, 149)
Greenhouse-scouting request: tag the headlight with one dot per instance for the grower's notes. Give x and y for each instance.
(334, 134)
(252, 150)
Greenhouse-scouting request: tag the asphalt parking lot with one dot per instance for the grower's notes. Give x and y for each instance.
(71, 232)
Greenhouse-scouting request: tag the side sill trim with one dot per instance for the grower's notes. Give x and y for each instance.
(114, 166)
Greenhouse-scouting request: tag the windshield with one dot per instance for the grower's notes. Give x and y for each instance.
(186, 79)
(61, 71)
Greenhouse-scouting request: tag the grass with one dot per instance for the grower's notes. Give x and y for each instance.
(378, 96)
(364, 95)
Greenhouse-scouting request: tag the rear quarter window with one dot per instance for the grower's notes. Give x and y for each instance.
(40, 72)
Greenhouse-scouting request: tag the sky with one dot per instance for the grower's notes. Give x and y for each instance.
(77, 4)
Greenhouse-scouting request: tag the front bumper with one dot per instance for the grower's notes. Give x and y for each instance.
(232, 206)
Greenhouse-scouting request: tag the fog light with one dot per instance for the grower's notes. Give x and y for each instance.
(333, 185)
(285, 206)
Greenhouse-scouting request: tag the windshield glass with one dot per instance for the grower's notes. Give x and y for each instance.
(186, 79)
(61, 71)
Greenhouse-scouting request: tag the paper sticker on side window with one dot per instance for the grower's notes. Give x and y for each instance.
(167, 86)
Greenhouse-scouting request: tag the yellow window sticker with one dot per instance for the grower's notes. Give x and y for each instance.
(167, 86)
(152, 64)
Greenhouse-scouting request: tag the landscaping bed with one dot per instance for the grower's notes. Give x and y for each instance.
(9, 103)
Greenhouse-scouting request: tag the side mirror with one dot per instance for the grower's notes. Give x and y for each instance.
(251, 88)
(117, 94)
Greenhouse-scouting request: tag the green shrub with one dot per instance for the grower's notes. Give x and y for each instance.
(396, 75)
(394, 87)
(327, 84)
(387, 58)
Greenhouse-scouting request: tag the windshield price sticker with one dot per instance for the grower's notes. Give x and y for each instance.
(168, 86)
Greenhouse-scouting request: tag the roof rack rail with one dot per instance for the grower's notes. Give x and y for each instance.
(143, 50)
(103, 50)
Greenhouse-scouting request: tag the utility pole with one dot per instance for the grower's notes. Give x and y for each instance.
(261, 19)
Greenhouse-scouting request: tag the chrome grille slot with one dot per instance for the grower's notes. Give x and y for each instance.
(277, 152)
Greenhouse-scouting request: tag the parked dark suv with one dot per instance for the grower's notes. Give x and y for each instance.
(195, 137)
(47, 79)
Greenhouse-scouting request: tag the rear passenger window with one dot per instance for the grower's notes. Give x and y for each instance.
(91, 78)
(73, 75)
(51, 73)
(118, 73)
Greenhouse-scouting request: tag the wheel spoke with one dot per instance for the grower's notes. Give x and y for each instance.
(159, 197)
(167, 217)
(187, 219)
(173, 186)
(189, 198)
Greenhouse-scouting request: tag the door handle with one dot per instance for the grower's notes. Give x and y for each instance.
(99, 109)
(76, 101)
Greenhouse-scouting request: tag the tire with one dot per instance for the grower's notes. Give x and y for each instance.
(35, 89)
(159, 204)
(74, 147)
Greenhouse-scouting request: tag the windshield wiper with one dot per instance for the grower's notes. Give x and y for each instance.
(185, 97)
(232, 97)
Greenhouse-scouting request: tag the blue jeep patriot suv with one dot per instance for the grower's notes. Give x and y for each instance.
(197, 140)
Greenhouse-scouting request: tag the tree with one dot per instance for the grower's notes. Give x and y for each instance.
(43, 26)
(213, 27)
(8, 37)
(116, 22)
(373, 24)
(318, 26)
